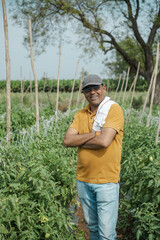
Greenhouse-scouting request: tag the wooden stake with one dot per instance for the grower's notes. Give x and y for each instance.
(69, 107)
(21, 84)
(31, 92)
(153, 87)
(134, 86)
(119, 98)
(83, 102)
(60, 48)
(126, 86)
(34, 74)
(80, 87)
(45, 79)
(131, 88)
(158, 129)
(8, 87)
(107, 86)
(147, 96)
(120, 77)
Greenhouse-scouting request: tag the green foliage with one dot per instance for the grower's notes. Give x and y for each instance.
(21, 118)
(37, 178)
(46, 85)
(133, 50)
(141, 84)
(140, 180)
(37, 184)
(137, 102)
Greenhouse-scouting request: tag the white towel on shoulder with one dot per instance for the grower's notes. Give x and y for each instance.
(102, 113)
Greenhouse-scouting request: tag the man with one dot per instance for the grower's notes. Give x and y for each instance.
(97, 131)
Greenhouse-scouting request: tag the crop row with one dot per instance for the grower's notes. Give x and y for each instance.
(47, 85)
(140, 181)
(37, 184)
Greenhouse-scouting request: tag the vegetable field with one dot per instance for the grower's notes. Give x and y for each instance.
(37, 174)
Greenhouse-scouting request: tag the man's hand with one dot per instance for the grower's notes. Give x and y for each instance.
(101, 141)
(89, 140)
(74, 139)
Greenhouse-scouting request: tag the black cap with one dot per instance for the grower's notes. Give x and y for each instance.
(91, 79)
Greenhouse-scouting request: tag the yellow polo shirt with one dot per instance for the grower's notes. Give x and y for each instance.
(101, 165)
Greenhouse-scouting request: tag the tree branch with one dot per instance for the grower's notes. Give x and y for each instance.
(154, 28)
(134, 23)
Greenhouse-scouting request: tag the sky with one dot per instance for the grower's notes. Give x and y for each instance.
(46, 63)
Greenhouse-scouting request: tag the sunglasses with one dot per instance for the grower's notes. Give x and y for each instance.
(89, 88)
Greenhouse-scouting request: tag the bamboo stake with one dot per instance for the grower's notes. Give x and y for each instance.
(120, 77)
(35, 77)
(27, 90)
(124, 77)
(8, 87)
(80, 87)
(31, 92)
(45, 79)
(147, 96)
(69, 107)
(21, 84)
(154, 85)
(107, 86)
(158, 129)
(111, 86)
(126, 86)
(83, 102)
(131, 88)
(134, 86)
(60, 48)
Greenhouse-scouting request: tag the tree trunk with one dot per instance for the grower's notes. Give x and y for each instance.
(8, 101)
(157, 91)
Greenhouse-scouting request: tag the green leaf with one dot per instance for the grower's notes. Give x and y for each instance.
(3, 230)
(138, 234)
(151, 236)
(18, 222)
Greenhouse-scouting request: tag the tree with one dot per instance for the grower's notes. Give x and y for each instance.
(104, 22)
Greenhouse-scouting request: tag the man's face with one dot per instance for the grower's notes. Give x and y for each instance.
(94, 94)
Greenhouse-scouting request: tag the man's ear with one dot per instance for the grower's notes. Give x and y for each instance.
(104, 87)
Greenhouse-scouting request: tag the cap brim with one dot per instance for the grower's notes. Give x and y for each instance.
(90, 84)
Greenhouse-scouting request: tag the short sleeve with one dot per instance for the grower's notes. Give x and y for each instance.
(115, 118)
(75, 122)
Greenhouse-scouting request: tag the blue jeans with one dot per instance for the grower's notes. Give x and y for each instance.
(100, 208)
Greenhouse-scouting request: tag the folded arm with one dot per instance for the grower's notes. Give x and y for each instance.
(89, 140)
(103, 140)
(74, 139)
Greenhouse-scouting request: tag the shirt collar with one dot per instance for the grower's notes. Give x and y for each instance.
(87, 108)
